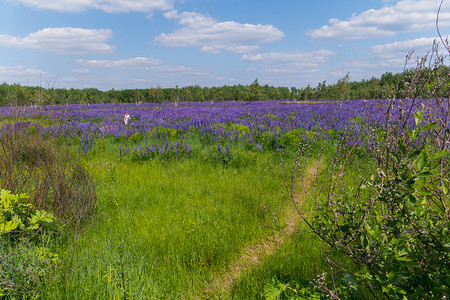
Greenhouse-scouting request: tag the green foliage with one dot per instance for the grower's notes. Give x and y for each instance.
(100, 146)
(374, 88)
(47, 170)
(292, 291)
(395, 228)
(25, 260)
(162, 131)
(17, 214)
(266, 139)
(292, 138)
(135, 138)
(179, 222)
(225, 158)
(242, 128)
(244, 158)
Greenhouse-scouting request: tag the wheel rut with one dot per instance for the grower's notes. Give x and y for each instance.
(255, 253)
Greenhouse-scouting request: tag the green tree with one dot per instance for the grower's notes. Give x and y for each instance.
(255, 91)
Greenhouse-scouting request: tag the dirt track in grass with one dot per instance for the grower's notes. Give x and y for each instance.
(254, 254)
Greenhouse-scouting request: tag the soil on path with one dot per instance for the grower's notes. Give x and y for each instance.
(253, 255)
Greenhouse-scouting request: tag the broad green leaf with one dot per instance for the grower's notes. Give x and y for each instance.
(424, 193)
(421, 161)
(394, 157)
(428, 126)
(439, 154)
(4, 193)
(398, 289)
(425, 175)
(8, 226)
(41, 216)
(402, 146)
(391, 276)
(409, 134)
(414, 155)
(444, 189)
(418, 117)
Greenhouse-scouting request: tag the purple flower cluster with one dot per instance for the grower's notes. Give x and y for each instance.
(219, 122)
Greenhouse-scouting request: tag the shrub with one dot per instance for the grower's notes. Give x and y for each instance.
(24, 259)
(47, 170)
(292, 138)
(388, 211)
(171, 133)
(135, 138)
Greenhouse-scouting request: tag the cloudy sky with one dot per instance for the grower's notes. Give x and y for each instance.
(121, 44)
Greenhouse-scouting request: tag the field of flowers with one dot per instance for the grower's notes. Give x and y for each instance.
(184, 188)
(163, 127)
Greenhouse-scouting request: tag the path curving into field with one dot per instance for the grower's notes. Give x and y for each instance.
(254, 254)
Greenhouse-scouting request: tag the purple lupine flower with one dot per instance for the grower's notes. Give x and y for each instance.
(227, 149)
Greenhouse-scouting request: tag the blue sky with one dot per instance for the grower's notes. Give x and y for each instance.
(122, 44)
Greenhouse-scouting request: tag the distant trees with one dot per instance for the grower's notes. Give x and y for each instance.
(388, 85)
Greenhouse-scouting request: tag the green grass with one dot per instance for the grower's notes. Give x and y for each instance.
(164, 228)
(296, 260)
(299, 260)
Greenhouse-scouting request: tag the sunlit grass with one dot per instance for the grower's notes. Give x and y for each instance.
(164, 227)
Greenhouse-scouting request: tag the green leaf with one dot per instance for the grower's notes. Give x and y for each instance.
(444, 189)
(4, 193)
(420, 182)
(414, 155)
(394, 157)
(402, 146)
(8, 226)
(425, 174)
(40, 216)
(398, 289)
(439, 154)
(424, 193)
(403, 258)
(418, 117)
(409, 134)
(391, 276)
(421, 161)
(428, 127)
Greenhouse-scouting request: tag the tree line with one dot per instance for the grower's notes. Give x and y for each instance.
(388, 85)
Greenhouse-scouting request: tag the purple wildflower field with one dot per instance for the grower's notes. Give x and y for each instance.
(260, 123)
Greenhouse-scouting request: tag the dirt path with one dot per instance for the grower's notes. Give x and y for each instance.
(254, 254)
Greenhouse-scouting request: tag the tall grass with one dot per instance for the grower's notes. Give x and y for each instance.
(45, 168)
(165, 227)
(49, 181)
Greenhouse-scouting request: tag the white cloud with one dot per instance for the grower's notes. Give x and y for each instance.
(365, 69)
(212, 36)
(65, 40)
(24, 76)
(12, 71)
(289, 62)
(80, 71)
(110, 6)
(401, 48)
(404, 16)
(140, 64)
(139, 72)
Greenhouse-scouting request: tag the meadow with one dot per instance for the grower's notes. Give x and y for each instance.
(167, 206)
